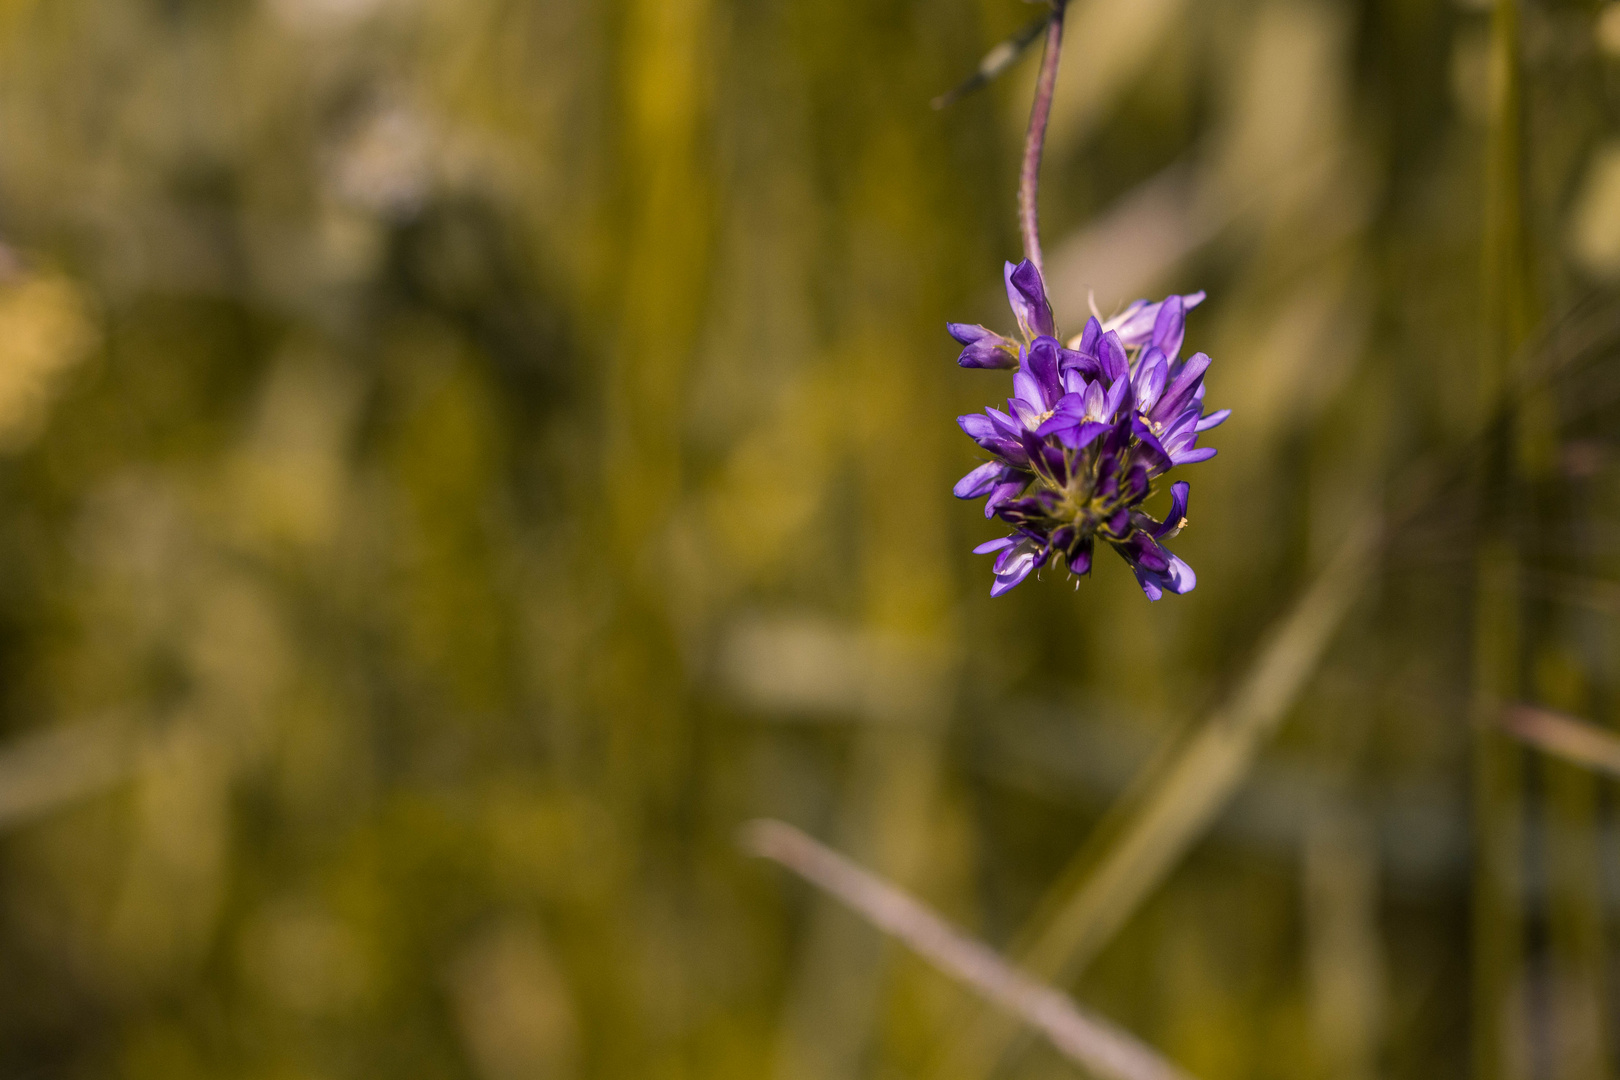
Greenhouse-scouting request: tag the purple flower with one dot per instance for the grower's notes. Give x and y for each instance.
(1018, 555)
(983, 348)
(1027, 294)
(1090, 427)
(1142, 323)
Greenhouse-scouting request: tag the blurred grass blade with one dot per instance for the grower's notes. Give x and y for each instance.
(1499, 826)
(1500, 1016)
(47, 770)
(1176, 804)
(1578, 741)
(1091, 1042)
(995, 61)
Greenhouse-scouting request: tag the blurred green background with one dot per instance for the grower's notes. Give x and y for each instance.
(460, 459)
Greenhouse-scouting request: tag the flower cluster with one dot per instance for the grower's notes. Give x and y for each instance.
(1089, 427)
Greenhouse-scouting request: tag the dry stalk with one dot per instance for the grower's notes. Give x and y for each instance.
(1088, 1040)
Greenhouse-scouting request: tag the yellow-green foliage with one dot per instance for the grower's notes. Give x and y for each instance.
(460, 459)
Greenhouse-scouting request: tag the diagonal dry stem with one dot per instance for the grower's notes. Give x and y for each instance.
(1090, 1041)
(1178, 802)
(1578, 741)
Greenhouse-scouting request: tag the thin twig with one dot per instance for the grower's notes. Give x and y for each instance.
(1092, 1042)
(997, 60)
(1579, 741)
(1030, 178)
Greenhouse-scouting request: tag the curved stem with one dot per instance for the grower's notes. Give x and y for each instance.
(1030, 178)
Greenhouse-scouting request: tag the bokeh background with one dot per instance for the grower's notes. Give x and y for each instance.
(460, 459)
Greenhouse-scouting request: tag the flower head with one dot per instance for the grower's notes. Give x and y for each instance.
(1090, 426)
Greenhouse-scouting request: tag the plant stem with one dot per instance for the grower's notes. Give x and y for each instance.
(1097, 1045)
(1029, 179)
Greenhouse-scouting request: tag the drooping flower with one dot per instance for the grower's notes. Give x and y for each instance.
(1090, 426)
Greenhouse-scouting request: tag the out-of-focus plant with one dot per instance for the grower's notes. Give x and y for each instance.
(461, 458)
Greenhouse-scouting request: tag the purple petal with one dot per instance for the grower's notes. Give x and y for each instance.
(1142, 550)
(1193, 457)
(1028, 415)
(1158, 459)
(982, 356)
(1058, 423)
(977, 426)
(1043, 365)
(1178, 504)
(1096, 402)
(1080, 561)
(1051, 461)
(1181, 388)
(1086, 342)
(1003, 585)
(1070, 404)
(1178, 500)
(1086, 364)
(1182, 578)
(1214, 419)
(1034, 446)
(1181, 433)
(1026, 292)
(1176, 518)
(1003, 492)
(985, 348)
(1028, 390)
(1176, 577)
(1134, 323)
(1108, 486)
(979, 481)
(995, 545)
(1149, 582)
(1136, 484)
(1083, 435)
(968, 333)
(1018, 509)
(1111, 357)
(1009, 450)
(1169, 326)
(1114, 401)
(1012, 571)
(1148, 381)
(1153, 559)
(1137, 323)
(1004, 423)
